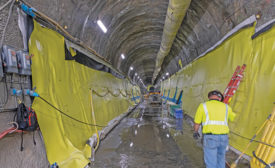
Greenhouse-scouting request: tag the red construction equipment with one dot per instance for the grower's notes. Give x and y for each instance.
(233, 84)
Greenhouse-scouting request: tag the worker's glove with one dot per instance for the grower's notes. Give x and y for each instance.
(196, 135)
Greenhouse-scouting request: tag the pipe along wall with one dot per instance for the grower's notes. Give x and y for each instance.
(254, 98)
(68, 86)
(175, 13)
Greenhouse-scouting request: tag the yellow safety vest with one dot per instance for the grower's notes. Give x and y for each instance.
(214, 116)
(214, 122)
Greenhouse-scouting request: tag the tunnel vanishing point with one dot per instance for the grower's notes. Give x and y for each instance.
(117, 83)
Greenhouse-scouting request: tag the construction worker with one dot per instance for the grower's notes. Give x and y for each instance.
(213, 115)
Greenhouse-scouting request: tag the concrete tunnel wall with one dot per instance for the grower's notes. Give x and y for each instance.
(205, 23)
(252, 102)
(107, 106)
(135, 28)
(10, 154)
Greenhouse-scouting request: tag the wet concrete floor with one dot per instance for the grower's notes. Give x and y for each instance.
(148, 138)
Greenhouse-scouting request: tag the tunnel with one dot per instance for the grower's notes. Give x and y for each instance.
(121, 83)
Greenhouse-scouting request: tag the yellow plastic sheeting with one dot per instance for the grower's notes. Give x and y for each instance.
(171, 85)
(264, 152)
(136, 91)
(148, 87)
(253, 100)
(67, 85)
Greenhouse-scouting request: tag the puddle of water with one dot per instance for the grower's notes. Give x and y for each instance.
(147, 138)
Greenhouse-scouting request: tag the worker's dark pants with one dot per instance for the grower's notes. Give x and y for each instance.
(214, 148)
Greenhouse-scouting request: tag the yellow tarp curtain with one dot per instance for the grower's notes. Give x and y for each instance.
(253, 100)
(67, 85)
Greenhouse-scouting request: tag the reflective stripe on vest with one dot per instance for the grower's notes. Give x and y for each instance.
(213, 122)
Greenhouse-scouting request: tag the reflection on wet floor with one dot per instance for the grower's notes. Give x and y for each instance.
(147, 139)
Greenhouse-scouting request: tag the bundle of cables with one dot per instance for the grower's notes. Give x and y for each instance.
(10, 130)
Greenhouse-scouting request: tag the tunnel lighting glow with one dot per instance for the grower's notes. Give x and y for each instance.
(131, 144)
(101, 25)
(135, 74)
(163, 77)
(167, 135)
(122, 56)
(167, 73)
(131, 68)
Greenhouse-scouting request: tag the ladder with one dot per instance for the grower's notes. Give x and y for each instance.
(233, 84)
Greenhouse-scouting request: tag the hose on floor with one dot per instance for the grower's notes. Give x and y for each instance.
(10, 130)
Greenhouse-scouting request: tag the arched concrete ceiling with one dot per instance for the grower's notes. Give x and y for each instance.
(135, 28)
(206, 22)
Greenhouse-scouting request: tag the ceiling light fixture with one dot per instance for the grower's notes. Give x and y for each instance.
(135, 74)
(122, 56)
(131, 68)
(101, 25)
(167, 73)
